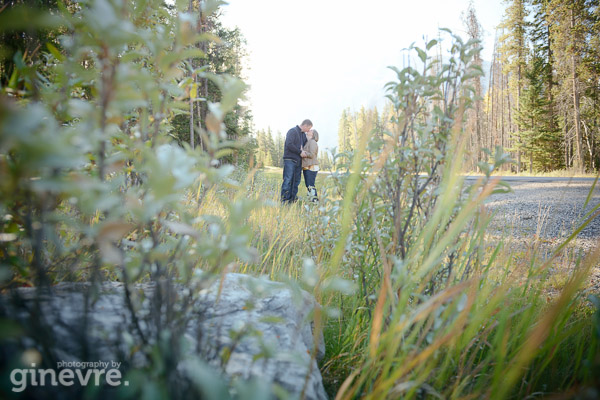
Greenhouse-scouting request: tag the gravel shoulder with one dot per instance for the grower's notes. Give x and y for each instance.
(549, 211)
(552, 210)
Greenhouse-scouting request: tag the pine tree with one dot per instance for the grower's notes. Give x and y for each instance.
(568, 33)
(271, 156)
(475, 115)
(362, 125)
(531, 116)
(345, 132)
(325, 163)
(513, 52)
(261, 153)
(590, 74)
(540, 79)
(279, 143)
(542, 45)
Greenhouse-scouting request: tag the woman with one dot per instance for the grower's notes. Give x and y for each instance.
(310, 163)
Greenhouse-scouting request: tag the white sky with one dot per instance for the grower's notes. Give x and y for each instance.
(313, 58)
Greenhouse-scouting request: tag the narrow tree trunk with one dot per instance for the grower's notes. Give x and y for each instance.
(500, 99)
(567, 142)
(203, 105)
(518, 101)
(191, 122)
(531, 148)
(490, 103)
(590, 144)
(191, 7)
(510, 126)
(576, 116)
(550, 83)
(491, 133)
(478, 119)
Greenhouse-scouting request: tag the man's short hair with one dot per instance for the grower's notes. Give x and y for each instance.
(306, 122)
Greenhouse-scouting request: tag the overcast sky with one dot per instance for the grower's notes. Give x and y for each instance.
(313, 58)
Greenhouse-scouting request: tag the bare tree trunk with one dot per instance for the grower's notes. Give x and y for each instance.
(491, 99)
(490, 104)
(576, 116)
(502, 138)
(566, 150)
(191, 122)
(202, 110)
(550, 83)
(191, 7)
(478, 119)
(590, 145)
(568, 144)
(203, 105)
(510, 127)
(518, 101)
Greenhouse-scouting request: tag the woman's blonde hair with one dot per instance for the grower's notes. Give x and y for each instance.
(315, 135)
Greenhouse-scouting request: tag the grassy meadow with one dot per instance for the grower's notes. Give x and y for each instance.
(506, 329)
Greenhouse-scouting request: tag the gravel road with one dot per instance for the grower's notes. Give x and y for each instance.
(550, 208)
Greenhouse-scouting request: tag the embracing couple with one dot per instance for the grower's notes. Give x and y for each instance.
(300, 157)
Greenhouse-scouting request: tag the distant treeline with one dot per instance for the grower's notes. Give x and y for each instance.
(268, 150)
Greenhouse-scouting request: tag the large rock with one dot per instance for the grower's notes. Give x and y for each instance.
(246, 327)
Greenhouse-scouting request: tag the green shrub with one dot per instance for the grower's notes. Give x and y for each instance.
(92, 187)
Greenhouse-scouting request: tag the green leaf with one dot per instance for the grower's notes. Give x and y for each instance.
(172, 58)
(422, 54)
(206, 379)
(336, 284)
(209, 7)
(232, 89)
(24, 17)
(14, 79)
(10, 329)
(208, 37)
(310, 275)
(54, 51)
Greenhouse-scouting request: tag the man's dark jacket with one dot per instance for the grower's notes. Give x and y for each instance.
(294, 140)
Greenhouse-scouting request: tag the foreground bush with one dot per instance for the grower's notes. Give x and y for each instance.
(93, 188)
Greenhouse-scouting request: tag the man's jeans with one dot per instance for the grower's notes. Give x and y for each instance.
(292, 174)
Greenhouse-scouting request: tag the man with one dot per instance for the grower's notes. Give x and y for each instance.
(292, 161)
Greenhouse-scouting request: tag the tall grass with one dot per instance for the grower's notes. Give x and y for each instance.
(498, 334)
(436, 309)
(495, 333)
